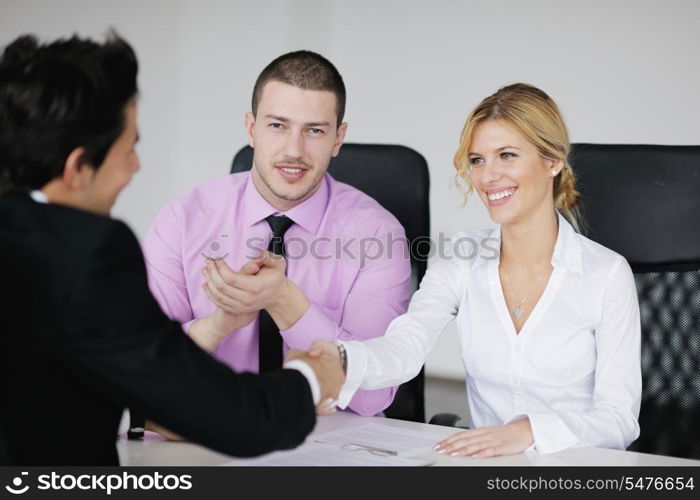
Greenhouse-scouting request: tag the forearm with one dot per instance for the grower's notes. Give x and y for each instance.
(399, 355)
(315, 324)
(208, 332)
(204, 335)
(554, 431)
(289, 305)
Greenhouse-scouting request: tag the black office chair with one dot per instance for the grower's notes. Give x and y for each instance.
(397, 177)
(644, 203)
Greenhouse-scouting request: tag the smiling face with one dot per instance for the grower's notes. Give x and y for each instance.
(514, 182)
(294, 136)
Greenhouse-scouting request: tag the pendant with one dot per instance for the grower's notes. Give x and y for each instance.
(517, 312)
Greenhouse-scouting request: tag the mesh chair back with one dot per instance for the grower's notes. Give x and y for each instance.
(643, 201)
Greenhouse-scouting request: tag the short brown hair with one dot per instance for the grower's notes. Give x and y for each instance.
(305, 70)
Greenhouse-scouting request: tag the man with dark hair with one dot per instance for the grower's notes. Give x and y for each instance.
(324, 288)
(83, 337)
(66, 98)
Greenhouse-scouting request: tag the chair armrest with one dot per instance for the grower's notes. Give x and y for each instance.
(445, 419)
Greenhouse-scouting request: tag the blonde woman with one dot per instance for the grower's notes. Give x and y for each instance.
(548, 326)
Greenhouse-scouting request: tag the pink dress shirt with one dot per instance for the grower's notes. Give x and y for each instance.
(345, 252)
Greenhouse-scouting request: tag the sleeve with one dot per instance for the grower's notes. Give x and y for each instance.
(162, 249)
(309, 374)
(400, 354)
(613, 421)
(119, 341)
(379, 294)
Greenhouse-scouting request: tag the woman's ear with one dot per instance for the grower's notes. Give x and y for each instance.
(555, 166)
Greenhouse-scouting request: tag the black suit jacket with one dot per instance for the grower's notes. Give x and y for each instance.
(82, 338)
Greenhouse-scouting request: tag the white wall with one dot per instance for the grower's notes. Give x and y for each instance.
(622, 71)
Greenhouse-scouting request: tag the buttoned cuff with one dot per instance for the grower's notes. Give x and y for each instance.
(186, 326)
(357, 367)
(549, 432)
(308, 372)
(313, 325)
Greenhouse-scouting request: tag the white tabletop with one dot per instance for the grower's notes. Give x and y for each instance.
(156, 451)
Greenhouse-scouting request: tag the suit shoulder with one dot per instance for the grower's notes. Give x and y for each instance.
(69, 227)
(93, 231)
(92, 226)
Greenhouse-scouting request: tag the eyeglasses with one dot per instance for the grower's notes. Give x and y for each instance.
(374, 451)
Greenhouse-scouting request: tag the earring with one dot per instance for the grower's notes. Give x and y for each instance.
(554, 173)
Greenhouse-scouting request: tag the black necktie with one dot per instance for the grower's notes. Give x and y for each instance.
(270, 341)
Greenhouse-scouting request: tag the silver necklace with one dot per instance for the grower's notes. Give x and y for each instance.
(517, 311)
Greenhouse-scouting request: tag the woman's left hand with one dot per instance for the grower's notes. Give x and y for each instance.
(487, 442)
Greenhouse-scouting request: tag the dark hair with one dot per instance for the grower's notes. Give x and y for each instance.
(59, 96)
(306, 70)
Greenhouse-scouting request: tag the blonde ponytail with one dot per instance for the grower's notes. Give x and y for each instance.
(566, 195)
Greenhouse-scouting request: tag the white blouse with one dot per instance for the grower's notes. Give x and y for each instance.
(574, 368)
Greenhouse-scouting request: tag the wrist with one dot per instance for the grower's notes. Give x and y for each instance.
(289, 305)
(282, 296)
(219, 325)
(206, 333)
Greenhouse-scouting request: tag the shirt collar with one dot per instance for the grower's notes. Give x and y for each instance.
(567, 250)
(307, 214)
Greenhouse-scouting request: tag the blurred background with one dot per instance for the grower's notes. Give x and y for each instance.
(622, 71)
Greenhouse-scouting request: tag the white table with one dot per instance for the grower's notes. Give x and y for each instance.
(156, 451)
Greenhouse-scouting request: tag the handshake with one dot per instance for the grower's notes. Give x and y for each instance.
(325, 360)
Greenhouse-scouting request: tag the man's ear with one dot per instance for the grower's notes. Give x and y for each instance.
(76, 173)
(339, 138)
(249, 124)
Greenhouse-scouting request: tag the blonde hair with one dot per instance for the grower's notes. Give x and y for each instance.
(534, 115)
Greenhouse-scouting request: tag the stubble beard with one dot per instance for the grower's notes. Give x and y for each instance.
(265, 178)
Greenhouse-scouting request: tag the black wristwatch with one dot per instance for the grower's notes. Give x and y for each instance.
(343, 356)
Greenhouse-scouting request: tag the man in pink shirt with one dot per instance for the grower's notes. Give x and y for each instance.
(347, 272)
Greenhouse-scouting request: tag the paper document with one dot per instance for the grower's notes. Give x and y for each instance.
(403, 442)
(366, 445)
(321, 454)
